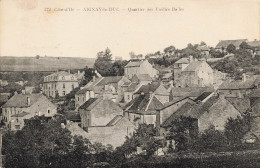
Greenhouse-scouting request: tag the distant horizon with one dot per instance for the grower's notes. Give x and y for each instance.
(38, 28)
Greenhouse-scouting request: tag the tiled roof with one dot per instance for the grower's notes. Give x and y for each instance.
(72, 115)
(64, 73)
(132, 87)
(115, 120)
(191, 110)
(144, 104)
(183, 61)
(248, 84)
(203, 48)
(255, 93)
(254, 43)
(143, 77)
(225, 43)
(90, 104)
(255, 106)
(20, 100)
(148, 88)
(134, 64)
(22, 114)
(203, 96)
(190, 91)
(175, 100)
(109, 80)
(242, 105)
(193, 66)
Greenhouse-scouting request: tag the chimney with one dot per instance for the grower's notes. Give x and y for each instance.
(28, 101)
(243, 77)
(78, 72)
(190, 58)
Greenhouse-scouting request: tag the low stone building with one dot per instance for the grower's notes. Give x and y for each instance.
(214, 112)
(223, 44)
(98, 112)
(22, 106)
(110, 85)
(238, 88)
(114, 133)
(140, 67)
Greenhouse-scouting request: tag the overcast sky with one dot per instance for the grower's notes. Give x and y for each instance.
(28, 30)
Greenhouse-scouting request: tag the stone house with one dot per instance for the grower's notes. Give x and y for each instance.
(165, 111)
(59, 84)
(191, 92)
(223, 44)
(179, 66)
(239, 89)
(98, 112)
(140, 67)
(142, 109)
(196, 74)
(110, 85)
(143, 79)
(22, 106)
(130, 90)
(214, 112)
(113, 133)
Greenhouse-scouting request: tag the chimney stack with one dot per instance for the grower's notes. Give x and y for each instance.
(28, 101)
(190, 58)
(243, 77)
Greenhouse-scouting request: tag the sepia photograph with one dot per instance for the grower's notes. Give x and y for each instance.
(129, 84)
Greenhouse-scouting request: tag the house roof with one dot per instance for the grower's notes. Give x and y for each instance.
(148, 88)
(63, 73)
(109, 80)
(90, 104)
(242, 105)
(203, 96)
(249, 83)
(255, 106)
(183, 61)
(174, 101)
(143, 77)
(72, 115)
(114, 121)
(132, 87)
(203, 48)
(255, 93)
(20, 100)
(191, 110)
(143, 104)
(254, 43)
(193, 66)
(225, 43)
(134, 64)
(22, 114)
(190, 91)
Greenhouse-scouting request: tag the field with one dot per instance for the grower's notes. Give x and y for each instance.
(43, 63)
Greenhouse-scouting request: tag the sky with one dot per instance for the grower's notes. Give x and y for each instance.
(27, 28)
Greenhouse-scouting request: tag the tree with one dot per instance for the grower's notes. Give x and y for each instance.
(118, 68)
(202, 43)
(88, 75)
(169, 50)
(43, 143)
(244, 45)
(103, 62)
(37, 57)
(184, 131)
(235, 129)
(231, 48)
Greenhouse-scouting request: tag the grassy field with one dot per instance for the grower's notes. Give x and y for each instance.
(43, 63)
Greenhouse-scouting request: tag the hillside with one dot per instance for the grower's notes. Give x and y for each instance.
(43, 63)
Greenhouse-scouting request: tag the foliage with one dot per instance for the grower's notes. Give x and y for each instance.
(88, 75)
(169, 50)
(235, 129)
(41, 143)
(11, 88)
(216, 54)
(231, 48)
(184, 131)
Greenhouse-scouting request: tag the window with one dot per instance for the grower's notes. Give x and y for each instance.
(49, 111)
(63, 85)
(63, 93)
(17, 120)
(128, 97)
(83, 98)
(72, 86)
(78, 98)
